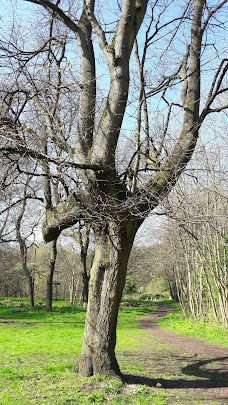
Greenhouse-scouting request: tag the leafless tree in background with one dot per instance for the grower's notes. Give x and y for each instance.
(198, 237)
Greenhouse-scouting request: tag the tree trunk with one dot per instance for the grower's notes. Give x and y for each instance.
(30, 281)
(85, 279)
(27, 272)
(83, 233)
(72, 288)
(49, 292)
(173, 291)
(24, 255)
(107, 279)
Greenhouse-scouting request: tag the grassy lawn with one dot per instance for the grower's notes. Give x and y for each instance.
(38, 351)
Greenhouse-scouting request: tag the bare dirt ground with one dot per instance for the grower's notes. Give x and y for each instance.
(195, 371)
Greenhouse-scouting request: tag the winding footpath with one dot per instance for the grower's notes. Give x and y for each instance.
(191, 365)
(185, 344)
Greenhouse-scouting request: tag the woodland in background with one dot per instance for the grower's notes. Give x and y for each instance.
(143, 273)
(197, 237)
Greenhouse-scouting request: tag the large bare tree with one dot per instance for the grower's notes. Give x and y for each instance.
(111, 192)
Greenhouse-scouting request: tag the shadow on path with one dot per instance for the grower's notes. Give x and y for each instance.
(209, 371)
(213, 378)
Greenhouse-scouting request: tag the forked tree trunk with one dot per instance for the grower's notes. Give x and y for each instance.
(107, 279)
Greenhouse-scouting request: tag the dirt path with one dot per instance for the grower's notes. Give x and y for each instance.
(192, 367)
(185, 344)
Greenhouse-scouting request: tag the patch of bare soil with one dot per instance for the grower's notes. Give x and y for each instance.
(194, 370)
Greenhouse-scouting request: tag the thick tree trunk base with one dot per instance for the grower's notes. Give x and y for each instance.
(107, 278)
(88, 367)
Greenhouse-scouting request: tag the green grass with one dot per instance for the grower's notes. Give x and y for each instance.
(207, 331)
(38, 351)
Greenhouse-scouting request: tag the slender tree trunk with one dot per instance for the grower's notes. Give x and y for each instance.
(85, 279)
(84, 232)
(24, 252)
(72, 288)
(49, 292)
(107, 279)
(27, 272)
(30, 281)
(173, 291)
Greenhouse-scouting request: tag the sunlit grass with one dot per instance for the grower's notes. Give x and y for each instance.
(38, 351)
(207, 331)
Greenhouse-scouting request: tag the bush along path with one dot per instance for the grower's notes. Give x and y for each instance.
(195, 371)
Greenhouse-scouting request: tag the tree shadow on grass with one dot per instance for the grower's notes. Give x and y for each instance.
(213, 378)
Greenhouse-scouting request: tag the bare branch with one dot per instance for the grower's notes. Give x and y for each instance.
(58, 12)
(212, 13)
(23, 150)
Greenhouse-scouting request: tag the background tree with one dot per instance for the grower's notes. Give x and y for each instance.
(81, 236)
(12, 279)
(147, 267)
(22, 241)
(198, 237)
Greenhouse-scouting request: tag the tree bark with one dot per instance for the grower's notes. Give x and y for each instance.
(31, 291)
(24, 253)
(28, 275)
(85, 279)
(83, 234)
(72, 288)
(173, 291)
(49, 292)
(107, 279)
